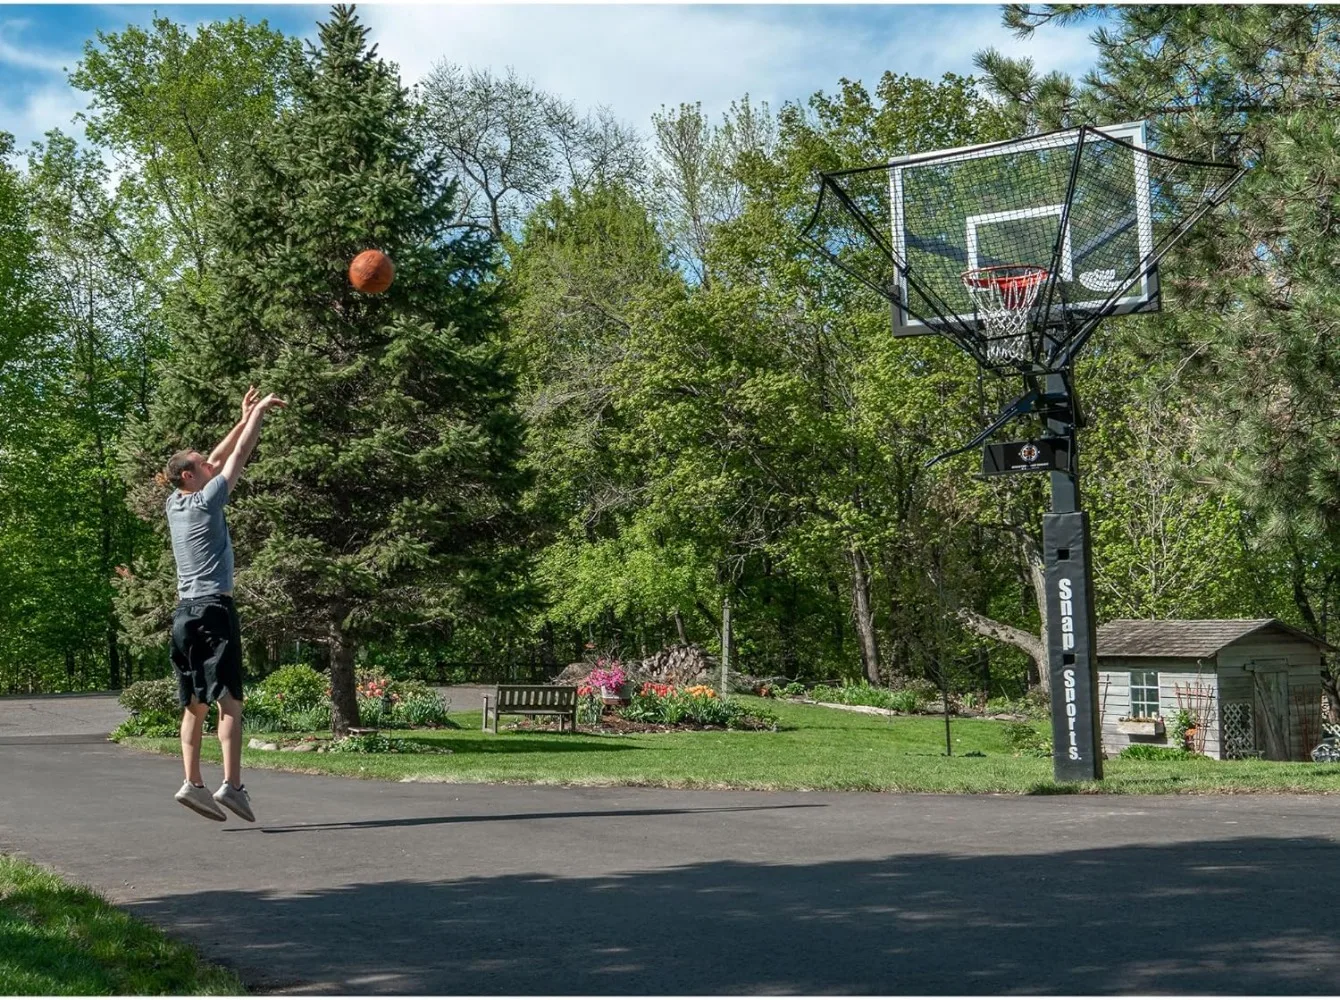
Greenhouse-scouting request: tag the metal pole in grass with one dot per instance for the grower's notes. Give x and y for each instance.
(725, 644)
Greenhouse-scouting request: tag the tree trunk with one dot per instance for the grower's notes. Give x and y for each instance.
(1304, 606)
(679, 627)
(1032, 553)
(1016, 637)
(343, 697)
(863, 614)
(113, 657)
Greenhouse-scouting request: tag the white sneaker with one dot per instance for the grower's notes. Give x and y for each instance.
(197, 799)
(235, 799)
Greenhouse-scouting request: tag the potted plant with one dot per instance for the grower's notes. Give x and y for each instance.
(1183, 732)
(608, 677)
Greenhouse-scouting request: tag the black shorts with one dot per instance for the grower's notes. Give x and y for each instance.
(207, 649)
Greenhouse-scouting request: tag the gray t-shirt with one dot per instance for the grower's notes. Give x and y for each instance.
(200, 540)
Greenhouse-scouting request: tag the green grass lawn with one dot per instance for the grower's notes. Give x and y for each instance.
(57, 938)
(818, 748)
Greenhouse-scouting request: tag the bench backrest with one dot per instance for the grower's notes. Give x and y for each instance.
(536, 696)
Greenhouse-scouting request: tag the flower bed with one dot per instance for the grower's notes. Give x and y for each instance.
(293, 699)
(665, 707)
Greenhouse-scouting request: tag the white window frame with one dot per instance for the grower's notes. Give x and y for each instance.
(1145, 685)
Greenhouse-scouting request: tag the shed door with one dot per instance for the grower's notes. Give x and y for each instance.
(1272, 711)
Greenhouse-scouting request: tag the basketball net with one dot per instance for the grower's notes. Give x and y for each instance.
(1003, 296)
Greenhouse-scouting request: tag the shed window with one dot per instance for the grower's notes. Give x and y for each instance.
(1144, 694)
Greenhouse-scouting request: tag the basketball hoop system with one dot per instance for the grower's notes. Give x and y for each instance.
(1017, 251)
(1003, 296)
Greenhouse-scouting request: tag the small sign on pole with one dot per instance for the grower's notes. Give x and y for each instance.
(1043, 455)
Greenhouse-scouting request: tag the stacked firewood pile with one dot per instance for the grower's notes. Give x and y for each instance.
(678, 664)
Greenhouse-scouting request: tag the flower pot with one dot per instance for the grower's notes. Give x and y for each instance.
(1140, 727)
(610, 697)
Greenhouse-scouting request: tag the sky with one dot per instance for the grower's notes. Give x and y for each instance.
(632, 59)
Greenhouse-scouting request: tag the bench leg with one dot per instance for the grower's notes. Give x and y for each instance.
(495, 720)
(485, 726)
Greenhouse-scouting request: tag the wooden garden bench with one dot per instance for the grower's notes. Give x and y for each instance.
(533, 699)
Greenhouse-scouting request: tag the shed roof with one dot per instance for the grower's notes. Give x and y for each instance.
(1186, 639)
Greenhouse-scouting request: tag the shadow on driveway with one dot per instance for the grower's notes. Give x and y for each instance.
(1243, 916)
(373, 824)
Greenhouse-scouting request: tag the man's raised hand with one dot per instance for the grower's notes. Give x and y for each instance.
(249, 402)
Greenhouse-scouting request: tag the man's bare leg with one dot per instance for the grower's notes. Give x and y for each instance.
(230, 793)
(230, 739)
(193, 795)
(192, 726)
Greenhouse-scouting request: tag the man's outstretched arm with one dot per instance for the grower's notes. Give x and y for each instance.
(232, 466)
(225, 447)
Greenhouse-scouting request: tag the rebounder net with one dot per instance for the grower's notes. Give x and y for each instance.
(1016, 250)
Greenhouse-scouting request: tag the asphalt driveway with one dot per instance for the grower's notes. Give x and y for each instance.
(348, 886)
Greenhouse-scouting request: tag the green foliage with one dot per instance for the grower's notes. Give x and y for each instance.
(1177, 729)
(1025, 740)
(1029, 707)
(909, 700)
(1151, 751)
(151, 696)
(294, 688)
(683, 706)
(384, 496)
(289, 706)
(421, 709)
(150, 722)
(589, 708)
(1243, 399)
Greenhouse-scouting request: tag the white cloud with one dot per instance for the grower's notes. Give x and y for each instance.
(636, 58)
(40, 110)
(13, 53)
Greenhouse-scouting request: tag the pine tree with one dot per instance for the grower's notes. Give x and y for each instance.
(383, 497)
(1251, 292)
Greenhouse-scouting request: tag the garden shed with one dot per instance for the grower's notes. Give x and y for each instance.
(1251, 686)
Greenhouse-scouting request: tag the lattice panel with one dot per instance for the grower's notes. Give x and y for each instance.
(1239, 733)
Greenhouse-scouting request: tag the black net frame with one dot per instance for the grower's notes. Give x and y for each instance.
(1094, 210)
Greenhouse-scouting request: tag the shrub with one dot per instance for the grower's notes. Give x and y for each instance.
(295, 687)
(152, 696)
(421, 709)
(659, 703)
(372, 712)
(158, 725)
(1152, 751)
(257, 719)
(908, 699)
(1026, 741)
(1182, 721)
(309, 720)
(411, 688)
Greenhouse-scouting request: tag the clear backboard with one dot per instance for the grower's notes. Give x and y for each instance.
(1087, 219)
(1016, 250)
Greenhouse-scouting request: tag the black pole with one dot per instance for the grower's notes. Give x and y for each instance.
(1071, 661)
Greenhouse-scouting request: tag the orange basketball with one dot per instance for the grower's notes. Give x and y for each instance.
(371, 272)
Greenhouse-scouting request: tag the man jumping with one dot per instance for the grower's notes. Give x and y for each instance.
(206, 639)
